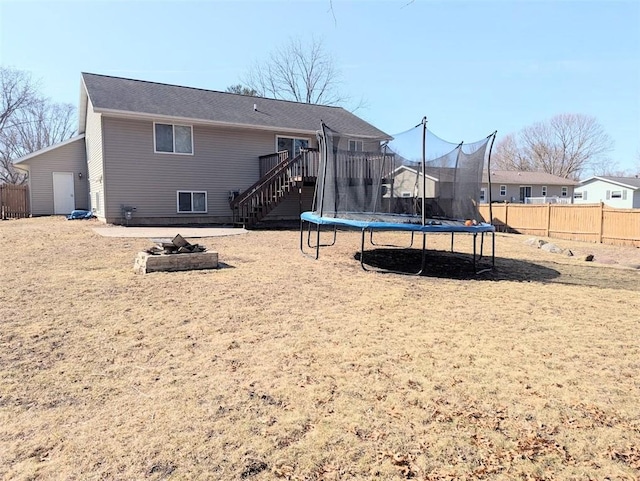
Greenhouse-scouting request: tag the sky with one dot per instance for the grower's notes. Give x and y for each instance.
(470, 67)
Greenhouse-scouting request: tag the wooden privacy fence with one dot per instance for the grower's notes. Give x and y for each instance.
(14, 201)
(583, 222)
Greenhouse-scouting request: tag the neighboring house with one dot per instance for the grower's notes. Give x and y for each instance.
(527, 187)
(405, 182)
(167, 154)
(620, 192)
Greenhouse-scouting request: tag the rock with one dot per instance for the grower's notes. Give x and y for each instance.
(588, 258)
(535, 242)
(554, 249)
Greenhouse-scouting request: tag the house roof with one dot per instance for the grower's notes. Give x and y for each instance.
(30, 156)
(519, 177)
(630, 182)
(158, 101)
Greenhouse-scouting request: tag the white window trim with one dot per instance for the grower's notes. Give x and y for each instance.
(616, 194)
(564, 191)
(356, 142)
(206, 202)
(577, 194)
(173, 137)
(483, 194)
(292, 137)
(543, 191)
(503, 192)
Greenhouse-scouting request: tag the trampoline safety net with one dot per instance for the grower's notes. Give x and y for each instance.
(416, 178)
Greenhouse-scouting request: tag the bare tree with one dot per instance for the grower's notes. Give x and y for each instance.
(28, 122)
(304, 73)
(241, 90)
(17, 90)
(566, 146)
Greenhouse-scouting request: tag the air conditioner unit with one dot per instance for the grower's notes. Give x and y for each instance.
(233, 194)
(386, 190)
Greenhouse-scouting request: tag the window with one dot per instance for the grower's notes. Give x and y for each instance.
(483, 195)
(96, 203)
(577, 195)
(356, 145)
(565, 192)
(192, 201)
(503, 190)
(616, 194)
(173, 139)
(544, 191)
(291, 144)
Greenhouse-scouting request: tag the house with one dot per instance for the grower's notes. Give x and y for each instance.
(148, 153)
(407, 182)
(527, 187)
(619, 192)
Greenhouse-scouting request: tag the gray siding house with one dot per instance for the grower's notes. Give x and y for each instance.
(57, 177)
(157, 154)
(527, 187)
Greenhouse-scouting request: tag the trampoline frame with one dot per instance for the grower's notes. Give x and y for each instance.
(371, 226)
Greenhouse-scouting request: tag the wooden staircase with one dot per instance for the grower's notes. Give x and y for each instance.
(253, 205)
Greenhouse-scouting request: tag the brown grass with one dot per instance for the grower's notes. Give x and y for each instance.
(280, 367)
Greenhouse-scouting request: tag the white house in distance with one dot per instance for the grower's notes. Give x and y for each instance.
(619, 192)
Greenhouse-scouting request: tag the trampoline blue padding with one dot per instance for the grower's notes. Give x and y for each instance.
(374, 221)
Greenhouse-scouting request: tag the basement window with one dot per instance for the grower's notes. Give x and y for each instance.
(173, 139)
(192, 202)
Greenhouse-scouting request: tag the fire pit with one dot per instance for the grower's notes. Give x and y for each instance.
(177, 255)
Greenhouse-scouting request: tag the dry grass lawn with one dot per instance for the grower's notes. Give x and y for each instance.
(281, 367)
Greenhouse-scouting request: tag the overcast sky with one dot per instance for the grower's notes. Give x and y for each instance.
(470, 67)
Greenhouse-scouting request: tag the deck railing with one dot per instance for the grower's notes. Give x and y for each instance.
(264, 195)
(348, 164)
(279, 174)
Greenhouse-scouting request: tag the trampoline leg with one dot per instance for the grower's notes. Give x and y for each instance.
(424, 255)
(423, 261)
(389, 245)
(452, 242)
(335, 234)
(493, 256)
(475, 262)
(362, 250)
(317, 246)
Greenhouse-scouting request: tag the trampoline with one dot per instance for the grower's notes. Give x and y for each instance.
(400, 189)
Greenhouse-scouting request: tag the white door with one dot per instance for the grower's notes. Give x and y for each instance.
(64, 201)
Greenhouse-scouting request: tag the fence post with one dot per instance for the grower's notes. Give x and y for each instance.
(601, 222)
(506, 217)
(549, 219)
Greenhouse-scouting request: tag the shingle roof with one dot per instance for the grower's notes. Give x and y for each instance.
(633, 182)
(151, 98)
(533, 178)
